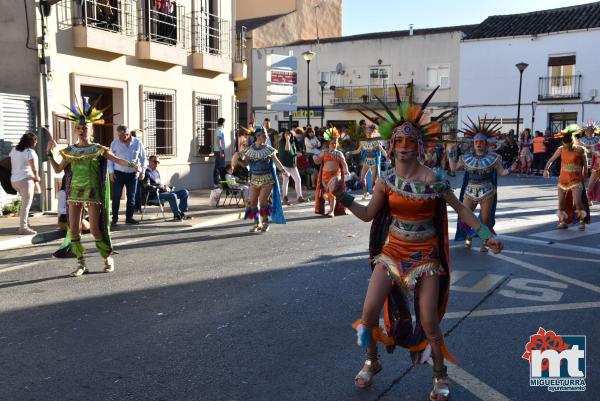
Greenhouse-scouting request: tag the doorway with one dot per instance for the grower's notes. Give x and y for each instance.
(103, 134)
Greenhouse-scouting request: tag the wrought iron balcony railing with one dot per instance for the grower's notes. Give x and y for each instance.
(211, 34)
(110, 15)
(369, 94)
(559, 87)
(169, 25)
(240, 46)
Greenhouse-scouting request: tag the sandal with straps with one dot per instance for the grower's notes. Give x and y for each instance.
(370, 369)
(441, 388)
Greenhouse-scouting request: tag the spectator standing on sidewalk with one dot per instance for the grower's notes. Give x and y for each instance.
(539, 153)
(129, 148)
(313, 150)
(272, 134)
(287, 156)
(219, 151)
(24, 177)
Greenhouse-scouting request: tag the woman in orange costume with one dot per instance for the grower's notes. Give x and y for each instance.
(409, 248)
(333, 164)
(571, 188)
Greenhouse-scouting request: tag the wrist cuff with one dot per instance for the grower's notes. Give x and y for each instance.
(484, 233)
(347, 199)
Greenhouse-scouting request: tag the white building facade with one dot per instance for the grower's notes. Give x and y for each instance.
(560, 83)
(355, 70)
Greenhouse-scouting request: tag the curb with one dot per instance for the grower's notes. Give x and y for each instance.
(26, 240)
(40, 238)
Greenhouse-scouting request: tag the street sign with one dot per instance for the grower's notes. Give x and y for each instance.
(282, 77)
(303, 113)
(281, 82)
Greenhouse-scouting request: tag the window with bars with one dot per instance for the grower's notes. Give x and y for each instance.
(208, 111)
(159, 123)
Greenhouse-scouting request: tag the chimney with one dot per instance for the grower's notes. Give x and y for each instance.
(410, 30)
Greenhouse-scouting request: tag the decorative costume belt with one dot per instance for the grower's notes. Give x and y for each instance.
(478, 190)
(571, 168)
(413, 229)
(259, 180)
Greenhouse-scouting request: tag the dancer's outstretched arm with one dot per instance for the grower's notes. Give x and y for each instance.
(555, 156)
(466, 215)
(365, 213)
(501, 171)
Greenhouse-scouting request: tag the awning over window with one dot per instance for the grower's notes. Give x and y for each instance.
(562, 60)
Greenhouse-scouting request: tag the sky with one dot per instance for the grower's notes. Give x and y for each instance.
(364, 16)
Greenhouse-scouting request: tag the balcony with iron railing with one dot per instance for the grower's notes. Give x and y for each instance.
(211, 43)
(105, 25)
(240, 66)
(559, 87)
(354, 95)
(164, 34)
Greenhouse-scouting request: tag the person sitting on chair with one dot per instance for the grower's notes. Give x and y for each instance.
(166, 192)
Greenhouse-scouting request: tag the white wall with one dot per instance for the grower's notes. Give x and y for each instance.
(489, 80)
(408, 57)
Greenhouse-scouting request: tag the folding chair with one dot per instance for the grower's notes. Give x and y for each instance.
(231, 193)
(150, 197)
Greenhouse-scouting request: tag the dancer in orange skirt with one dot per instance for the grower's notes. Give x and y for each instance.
(333, 164)
(571, 188)
(408, 248)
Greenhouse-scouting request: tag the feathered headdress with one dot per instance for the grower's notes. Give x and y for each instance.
(87, 114)
(593, 125)
(331, 133)
(568, 130)
(411, 120)
(482, 130)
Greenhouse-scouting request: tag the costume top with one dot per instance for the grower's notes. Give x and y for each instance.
(571, 164)
(86, 185)
(259, 158)
(370, 148)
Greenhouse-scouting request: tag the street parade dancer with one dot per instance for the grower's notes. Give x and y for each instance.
(408, 247)
(333, 164)
(263, 181)
(370, 150)
(591, 141)
(480, 182)
(571, 187)
(87, 184)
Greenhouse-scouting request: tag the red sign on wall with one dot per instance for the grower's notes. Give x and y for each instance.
(283, 77)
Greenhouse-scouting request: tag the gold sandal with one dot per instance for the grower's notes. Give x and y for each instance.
(441, 388)
(468, 242)
(370, 369)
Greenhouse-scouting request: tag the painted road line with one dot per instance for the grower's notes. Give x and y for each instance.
(565, 235)
(566, 247)
(549, 255)
(472, 384)
(522, 309)
(548, 273)
(24, 265)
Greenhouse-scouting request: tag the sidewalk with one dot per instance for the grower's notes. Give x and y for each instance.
(202, 215)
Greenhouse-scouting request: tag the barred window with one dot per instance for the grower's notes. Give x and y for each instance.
(159, 123)
(208, 111)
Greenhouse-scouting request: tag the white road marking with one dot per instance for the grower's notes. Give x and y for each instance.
(472, 384)
(566, 247)
(522, 309)
(548, 255)
(548, 273)
(17, 267)
(571, 233)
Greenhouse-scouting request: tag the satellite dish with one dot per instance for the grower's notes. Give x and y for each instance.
(339, 69)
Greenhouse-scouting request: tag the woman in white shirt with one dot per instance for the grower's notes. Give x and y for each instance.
(24, 176)
(312, 146)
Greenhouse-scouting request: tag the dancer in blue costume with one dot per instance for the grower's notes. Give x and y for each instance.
(480, 181)
(263, 180)
(370, 150)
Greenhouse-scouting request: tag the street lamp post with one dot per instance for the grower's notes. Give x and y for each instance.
(322, 85)
(521, 67)
(308, 56)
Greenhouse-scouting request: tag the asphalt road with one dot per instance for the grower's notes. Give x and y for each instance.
(223, 314)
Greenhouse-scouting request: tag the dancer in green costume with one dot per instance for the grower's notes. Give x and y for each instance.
(87, 185)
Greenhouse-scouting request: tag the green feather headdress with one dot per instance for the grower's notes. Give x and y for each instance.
(87, 113)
